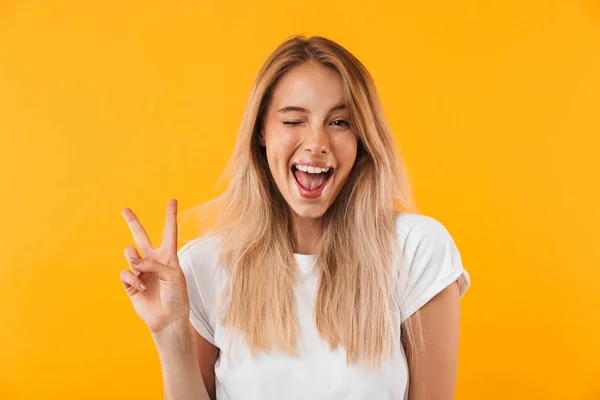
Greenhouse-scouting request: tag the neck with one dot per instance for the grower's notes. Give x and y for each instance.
(308, 233)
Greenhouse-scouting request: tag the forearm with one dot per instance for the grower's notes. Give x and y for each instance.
(179, 363)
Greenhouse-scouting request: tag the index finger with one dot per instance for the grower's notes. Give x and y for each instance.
(139, 233)
(170, 237)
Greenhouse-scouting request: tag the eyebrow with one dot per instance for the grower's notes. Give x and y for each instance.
(340, 106)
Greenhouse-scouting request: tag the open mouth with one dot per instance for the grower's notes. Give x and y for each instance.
(313, 180)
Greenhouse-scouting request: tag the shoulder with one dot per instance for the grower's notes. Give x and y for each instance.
(413, 229)
(199, 257)
(431, 260)
(424, 238)
(201, 245)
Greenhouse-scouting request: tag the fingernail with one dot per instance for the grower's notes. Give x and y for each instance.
(142, 286)
(134, 260)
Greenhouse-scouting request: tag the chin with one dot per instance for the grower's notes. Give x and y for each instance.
(311, 211)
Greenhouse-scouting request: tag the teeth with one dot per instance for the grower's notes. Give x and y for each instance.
(310, 170)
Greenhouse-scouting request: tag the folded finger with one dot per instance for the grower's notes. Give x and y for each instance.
(131, 281)
(131, 251)
(151, 265)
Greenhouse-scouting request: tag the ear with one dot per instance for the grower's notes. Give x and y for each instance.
(261, 138)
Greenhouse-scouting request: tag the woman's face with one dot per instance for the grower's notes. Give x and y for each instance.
(309, 144)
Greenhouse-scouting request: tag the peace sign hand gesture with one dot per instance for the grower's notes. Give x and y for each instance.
(156, 284)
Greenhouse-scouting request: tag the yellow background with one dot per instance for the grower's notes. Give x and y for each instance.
(113, 104)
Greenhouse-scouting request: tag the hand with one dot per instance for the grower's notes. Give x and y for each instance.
(156, 285)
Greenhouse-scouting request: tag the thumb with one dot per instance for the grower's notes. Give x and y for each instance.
(150, 265)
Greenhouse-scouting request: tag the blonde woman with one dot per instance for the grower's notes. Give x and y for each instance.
(318, 279)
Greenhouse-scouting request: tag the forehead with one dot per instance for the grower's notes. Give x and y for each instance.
(310, 85)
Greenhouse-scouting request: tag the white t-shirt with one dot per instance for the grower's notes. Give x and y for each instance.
(432, 262)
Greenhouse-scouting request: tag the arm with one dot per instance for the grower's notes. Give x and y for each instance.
(207, 355)
(433, 357)
(181, 372)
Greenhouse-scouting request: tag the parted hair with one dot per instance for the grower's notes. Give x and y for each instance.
(353, 306)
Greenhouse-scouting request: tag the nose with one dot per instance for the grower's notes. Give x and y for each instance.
(317, 141)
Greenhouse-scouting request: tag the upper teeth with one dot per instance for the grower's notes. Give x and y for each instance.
(311, 170)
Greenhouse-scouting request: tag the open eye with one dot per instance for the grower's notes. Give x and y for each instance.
(342, 122)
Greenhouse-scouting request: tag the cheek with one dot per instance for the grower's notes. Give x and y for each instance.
(345, 150)
(280, 144)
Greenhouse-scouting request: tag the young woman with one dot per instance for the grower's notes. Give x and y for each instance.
(318, 279)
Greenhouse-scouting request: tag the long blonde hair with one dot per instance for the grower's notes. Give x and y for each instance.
(353, 304)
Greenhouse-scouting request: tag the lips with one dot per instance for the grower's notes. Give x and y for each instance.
(314, 186)
(312, 163)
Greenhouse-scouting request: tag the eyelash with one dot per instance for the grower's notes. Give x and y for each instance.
(294, 123)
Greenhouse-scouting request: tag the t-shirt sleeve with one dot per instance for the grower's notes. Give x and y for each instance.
(197, 292)
(433, 262)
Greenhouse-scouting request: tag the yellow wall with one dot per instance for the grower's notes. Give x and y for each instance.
(113, 104)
